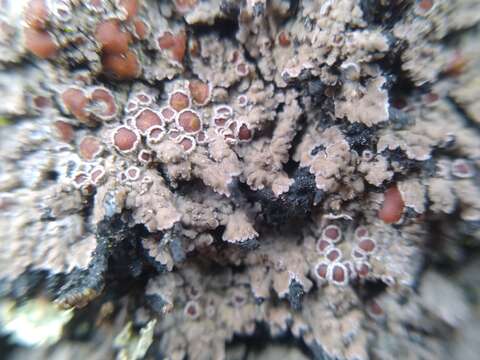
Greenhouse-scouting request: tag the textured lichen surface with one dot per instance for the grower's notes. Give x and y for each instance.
(192, 175)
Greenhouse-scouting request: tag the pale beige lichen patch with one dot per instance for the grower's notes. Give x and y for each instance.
(264, 101)
(163, 66)
(416, 146)
(216, 62)
(423, 60)
(56, 200)
(365, 45)
(109, 200)
(81, 253)
(264, 159)
(285, 267)
(413, 193)
(376, 171)
(328, 162)
(76, 250)
(307, 86)
(15, 103)
(238, 228)
(364, 104)
(453, 16)
(396, 258)
(423, 63)
(203, 13)
(467, 96)
(295, 270)
(259, 166)
(200, 215)
(158, 250)
(468, 193)
(260, 280)
(225, 302)
(219, 172)
(167, 151)
(452, 306)
(335, 328)
(441, 195)
(155, 208)
(57, 246)
(286, 127)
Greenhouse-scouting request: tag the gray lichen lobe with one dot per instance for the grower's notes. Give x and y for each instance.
(197, 173)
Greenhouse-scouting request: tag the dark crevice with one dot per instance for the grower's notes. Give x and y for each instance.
(261, 339)
(30, 284)
(7, 346)
(231, 9)
(294, 205)
(52, 175)
(117, 263)
(370, 289)
(291, 166)
(405, 165)
(398, 82)
(224, 27)
(359, 136)
(295, 295)
(172, 185)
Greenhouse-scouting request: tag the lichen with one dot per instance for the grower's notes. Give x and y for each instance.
(198, 174)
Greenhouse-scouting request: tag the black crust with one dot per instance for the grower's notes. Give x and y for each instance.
(293, 205)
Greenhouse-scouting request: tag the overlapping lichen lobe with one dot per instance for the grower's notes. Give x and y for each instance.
(194, 48)
(64, 130)
(125, 139)
(425, 4)
(189, 121)
(147, 119)
(338, 273)
(104, 99)
(179, 100)
(122, 66)
(178, 51)
(175, 43)
(89, 147)
(141, 29)
(187, 143)
(183, 6)
(76, 102)
(284, 39)
(41, 103)
(112, 38)
(36, 14)
(166, 40)
(245, 133)
(98, 175)
(200, 91)
(40, 43)
(130, 7)
(456, 65)
(392, 207)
